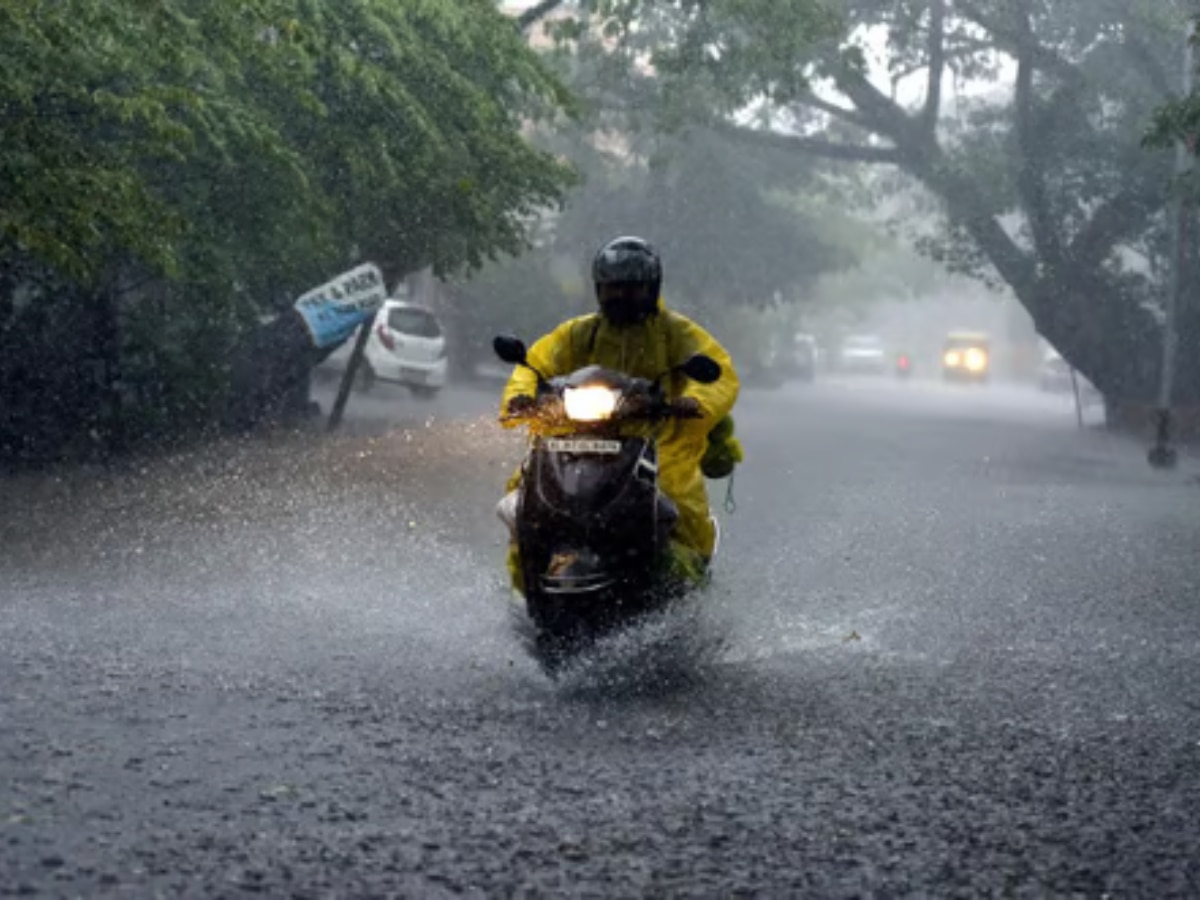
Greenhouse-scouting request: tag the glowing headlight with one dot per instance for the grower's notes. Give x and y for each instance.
(976, 360)
(589, 404)
(952, 359)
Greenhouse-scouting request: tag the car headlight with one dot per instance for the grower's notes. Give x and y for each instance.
(976, 360)
(952, 359)
(592, 403)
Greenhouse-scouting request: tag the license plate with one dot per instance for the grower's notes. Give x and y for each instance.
(582, 445)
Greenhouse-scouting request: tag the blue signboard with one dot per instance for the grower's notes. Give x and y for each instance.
(332, 311)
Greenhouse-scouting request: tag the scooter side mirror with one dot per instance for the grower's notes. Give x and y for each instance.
(510, 349)
(701, 369)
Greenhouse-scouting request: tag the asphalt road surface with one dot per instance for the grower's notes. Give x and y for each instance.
(953, 649)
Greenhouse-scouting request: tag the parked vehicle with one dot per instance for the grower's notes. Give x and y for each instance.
(862, 354)
(407, 346)
(1054, 377)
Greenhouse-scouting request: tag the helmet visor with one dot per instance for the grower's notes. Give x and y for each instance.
(627, 302)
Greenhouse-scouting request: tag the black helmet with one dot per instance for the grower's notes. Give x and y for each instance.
(633, 270)
(627, 259)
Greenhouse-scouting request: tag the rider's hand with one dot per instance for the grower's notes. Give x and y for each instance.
(688, 407)
(635, 404)
(521, 405)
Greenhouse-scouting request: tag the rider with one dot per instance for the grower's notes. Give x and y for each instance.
(636, 334)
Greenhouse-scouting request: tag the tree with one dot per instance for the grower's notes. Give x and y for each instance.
(1047, 186)
(172, 171)
(726, 239)
(724, 216)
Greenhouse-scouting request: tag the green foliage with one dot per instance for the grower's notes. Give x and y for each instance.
(97, 102)
(1044, 183)
(892, 271)
(737, 225)
(162, 130)
(208, 159)
(527, 296)
(1177, 123)
(420, 135)
(724, 238)
(727, 240)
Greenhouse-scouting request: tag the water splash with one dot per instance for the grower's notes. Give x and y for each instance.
(673, 651)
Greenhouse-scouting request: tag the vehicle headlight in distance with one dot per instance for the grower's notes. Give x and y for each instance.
(976, 360)
(591, 403)
(952, 359)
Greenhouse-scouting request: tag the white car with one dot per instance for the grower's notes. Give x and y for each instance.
(862, 353)
(1054, 377)
(407, 346)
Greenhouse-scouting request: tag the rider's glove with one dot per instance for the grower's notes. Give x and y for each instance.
(635, 405)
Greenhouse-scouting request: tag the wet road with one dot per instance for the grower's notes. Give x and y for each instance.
(959, 650)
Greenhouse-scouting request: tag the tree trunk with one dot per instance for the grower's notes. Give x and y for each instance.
(270, 376)
(110, 433)
(1102, 332)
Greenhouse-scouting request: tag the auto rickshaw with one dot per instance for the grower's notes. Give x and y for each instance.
(966, 356)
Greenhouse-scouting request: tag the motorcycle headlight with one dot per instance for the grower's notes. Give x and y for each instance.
(592, 403)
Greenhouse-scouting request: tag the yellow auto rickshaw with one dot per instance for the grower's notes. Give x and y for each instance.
(966, 356)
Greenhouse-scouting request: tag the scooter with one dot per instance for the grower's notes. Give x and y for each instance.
(590, 523)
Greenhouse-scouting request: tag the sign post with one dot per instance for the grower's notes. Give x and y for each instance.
(331, 313)
(1078, 400)
(348, 376)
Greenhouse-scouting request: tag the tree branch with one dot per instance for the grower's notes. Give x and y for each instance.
(949, 56)
(1133, 42)
(838, 112)
(880, 113)
(937, 62)
(536, 13)
(919, 152)
(814, 146)
(1113, 220)
(964, 205)
(1014, 42)
(1151, 65)
(1031, 142)
(922, 156)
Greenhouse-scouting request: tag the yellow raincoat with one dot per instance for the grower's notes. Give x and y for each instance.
(647, 350)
